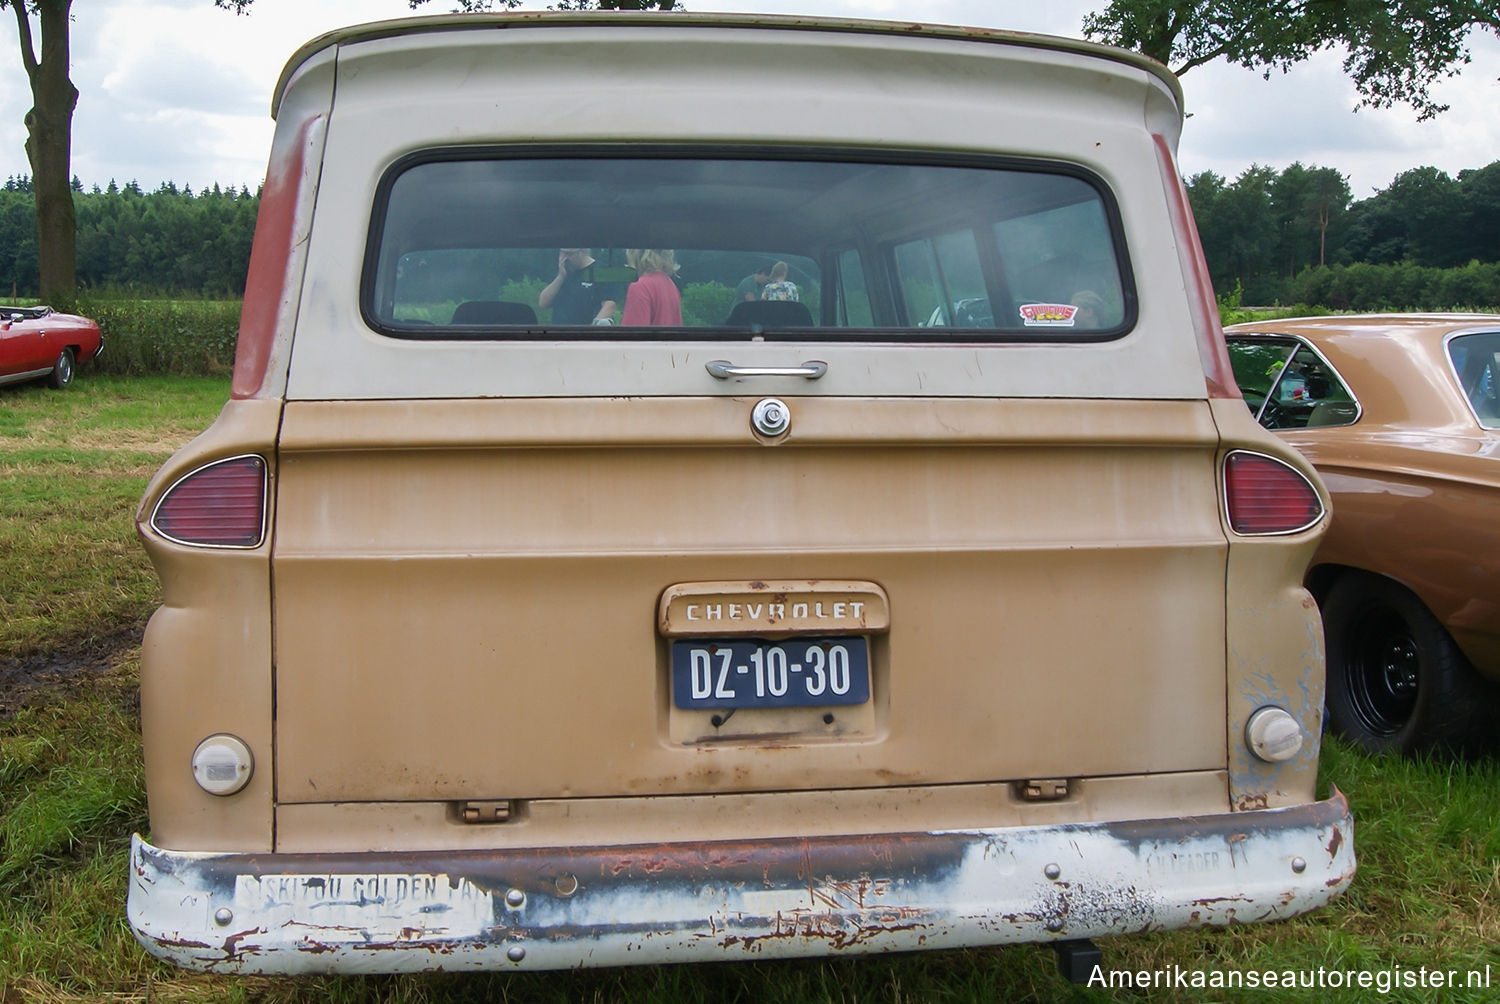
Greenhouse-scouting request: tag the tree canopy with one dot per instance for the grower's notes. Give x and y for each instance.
(49, 134)
(1396, 49)
(1266, 228)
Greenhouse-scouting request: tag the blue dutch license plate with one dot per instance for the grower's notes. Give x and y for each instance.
(721, 673)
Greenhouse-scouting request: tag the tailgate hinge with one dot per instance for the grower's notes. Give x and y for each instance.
(494, 811)
(1047, 789)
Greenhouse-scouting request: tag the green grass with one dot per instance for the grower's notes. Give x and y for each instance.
(74, 463)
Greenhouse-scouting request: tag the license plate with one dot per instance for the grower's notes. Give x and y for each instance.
(755, 673)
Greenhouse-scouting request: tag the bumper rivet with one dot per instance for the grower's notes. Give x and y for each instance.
(566, 885)
(515, 899)
(1299, 866)
(223, 915)
(515, 953)
(1054, 925)
(1053, 872)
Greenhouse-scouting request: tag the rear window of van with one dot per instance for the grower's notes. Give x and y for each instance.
(490, 244)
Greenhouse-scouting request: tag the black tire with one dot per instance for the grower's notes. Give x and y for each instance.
(1396, 680)
(62, 370)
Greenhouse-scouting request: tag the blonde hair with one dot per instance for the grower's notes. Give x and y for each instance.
(778, 271)
(645, 260)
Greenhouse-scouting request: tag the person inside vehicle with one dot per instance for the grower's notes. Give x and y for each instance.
(653, 298)
(780, 288)
(1090, 309)
(574, 295)
(750, 286)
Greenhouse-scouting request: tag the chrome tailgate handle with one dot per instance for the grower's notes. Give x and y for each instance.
(723, 369)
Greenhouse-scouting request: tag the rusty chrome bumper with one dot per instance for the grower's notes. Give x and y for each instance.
(685, 902)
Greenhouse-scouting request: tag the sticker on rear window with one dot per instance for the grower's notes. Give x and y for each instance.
(1048, 315)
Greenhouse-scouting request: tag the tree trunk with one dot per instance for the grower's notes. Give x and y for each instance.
(49, 146)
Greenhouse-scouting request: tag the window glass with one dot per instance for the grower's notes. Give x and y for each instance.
(921, 288)
(1289, 386)
(1062, 257)
(943, 282)
(854, 298)
(484, 245)
(1476, 361)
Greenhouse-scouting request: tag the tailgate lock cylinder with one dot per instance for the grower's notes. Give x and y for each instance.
(771, 417)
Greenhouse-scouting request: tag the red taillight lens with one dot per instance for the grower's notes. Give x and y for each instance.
(221, 505)
(1264, 495)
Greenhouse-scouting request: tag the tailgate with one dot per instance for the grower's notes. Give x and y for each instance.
(468, 594)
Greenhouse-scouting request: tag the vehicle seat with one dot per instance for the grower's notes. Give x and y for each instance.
(1332, 413)
(493, 312)
(769, 313)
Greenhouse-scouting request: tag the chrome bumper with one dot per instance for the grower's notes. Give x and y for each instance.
(687, 902)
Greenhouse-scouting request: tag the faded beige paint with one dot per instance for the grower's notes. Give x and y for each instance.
(394, 826)
(480, 552)
(539, 572)
(206, 657)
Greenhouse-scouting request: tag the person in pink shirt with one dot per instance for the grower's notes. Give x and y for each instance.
(653, 298)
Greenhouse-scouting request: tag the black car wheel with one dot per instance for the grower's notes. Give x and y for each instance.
(1396, 680)
(62, 370)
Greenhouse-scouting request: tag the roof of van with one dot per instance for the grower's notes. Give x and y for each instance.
(532, 19)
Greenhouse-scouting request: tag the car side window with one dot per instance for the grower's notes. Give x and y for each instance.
(1287, 385)
(1476, 361)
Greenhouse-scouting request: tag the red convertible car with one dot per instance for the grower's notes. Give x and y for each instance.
(1401, 416)
(37, 342)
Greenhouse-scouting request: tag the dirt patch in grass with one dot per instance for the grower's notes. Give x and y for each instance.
(36, 679)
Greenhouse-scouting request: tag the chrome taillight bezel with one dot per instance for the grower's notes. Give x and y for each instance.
(260, 537)
(1224, 500)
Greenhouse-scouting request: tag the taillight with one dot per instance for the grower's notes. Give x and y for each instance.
(220, 505)
(1263, 495)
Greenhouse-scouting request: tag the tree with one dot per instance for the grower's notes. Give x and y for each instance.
(1307, 201)
(49, 138)
(1478, 232)
(49, 135)
(1428, 203)
(1396, 49)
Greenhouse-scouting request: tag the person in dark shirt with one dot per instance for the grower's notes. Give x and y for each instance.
(750, 286)
(574, 296)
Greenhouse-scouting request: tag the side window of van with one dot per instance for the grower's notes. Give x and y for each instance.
(853, 295)
(942, 283)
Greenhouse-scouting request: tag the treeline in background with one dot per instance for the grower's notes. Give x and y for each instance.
(170, 242)
(163, 271)
(1427, 241)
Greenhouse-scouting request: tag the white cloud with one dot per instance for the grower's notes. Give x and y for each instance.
(180, 90)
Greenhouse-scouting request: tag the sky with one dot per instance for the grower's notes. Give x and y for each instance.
(180, 91)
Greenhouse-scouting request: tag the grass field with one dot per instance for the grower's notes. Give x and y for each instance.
(75, 588)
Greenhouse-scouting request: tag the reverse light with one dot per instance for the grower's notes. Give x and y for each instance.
(1263, 495)
(1273, 735)
(222, 764)
(222, 504)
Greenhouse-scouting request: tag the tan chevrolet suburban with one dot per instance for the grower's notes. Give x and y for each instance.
(859, 546)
